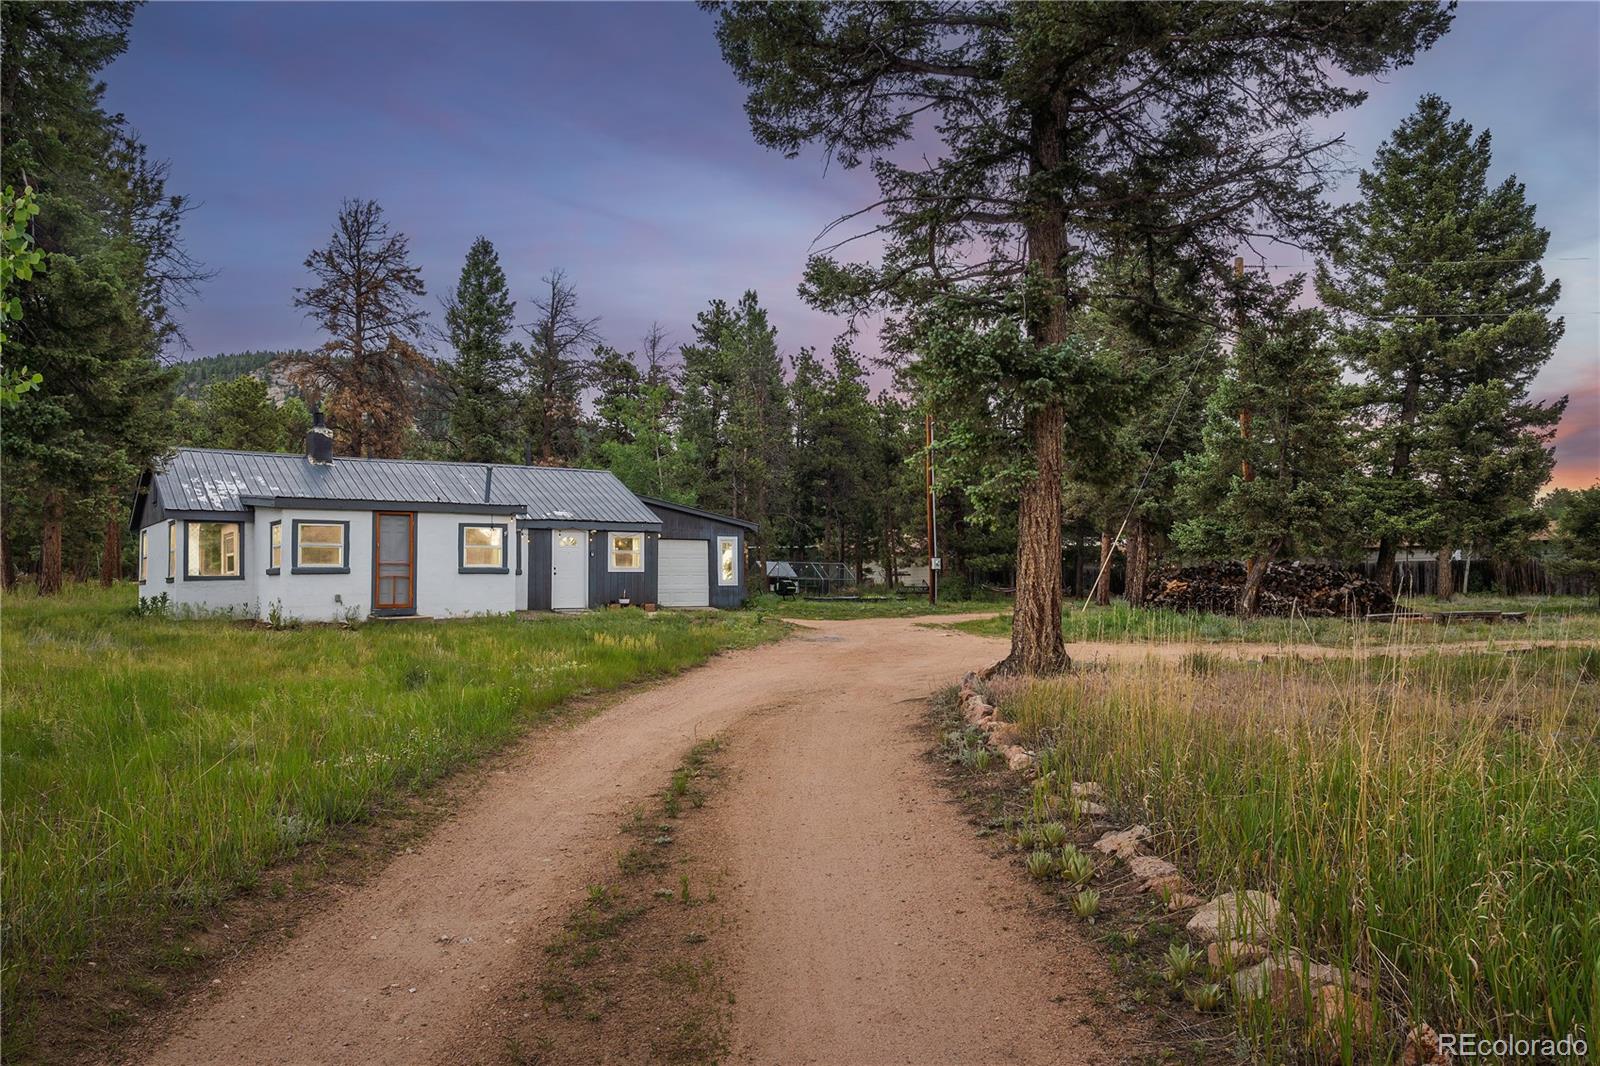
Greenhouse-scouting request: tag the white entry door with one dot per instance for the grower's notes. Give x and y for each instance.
(569, 569)
(684, 573)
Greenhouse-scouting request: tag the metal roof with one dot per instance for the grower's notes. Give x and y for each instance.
(209, 479)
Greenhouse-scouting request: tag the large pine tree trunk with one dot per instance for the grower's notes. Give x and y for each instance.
(1102, 584)
(111, 554)
(1138, 563)
(1385, 567)
(8, 565)
(1036, 646)
(1255, 575)
(50, 543)
(1446, 586)
(1400, 468)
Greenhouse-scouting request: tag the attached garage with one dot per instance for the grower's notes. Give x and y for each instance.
(685, 573)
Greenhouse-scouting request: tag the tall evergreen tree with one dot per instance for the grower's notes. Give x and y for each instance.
(618, 387)
(365, 299)
(241, 414)
(554, 373)
(1444, 311)
(1285, 488)
(1061, 124)
(94, 321)
(478, 316)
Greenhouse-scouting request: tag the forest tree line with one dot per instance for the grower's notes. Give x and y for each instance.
(1382, 401)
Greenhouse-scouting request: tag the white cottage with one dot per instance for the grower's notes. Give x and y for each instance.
(319, 538)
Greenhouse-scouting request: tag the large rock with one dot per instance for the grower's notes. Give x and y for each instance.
(1124, 844)
(1182, 901)
(1004, 735)
(1153, 873)
(1422, 1049)
(1286, 980)
(1335, 1012)
(1248, 915)
(1224, 955)
(1018, 758)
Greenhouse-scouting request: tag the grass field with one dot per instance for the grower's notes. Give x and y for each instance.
(1429, 821)
(153, 767)
(901, 606)
(1549, 618)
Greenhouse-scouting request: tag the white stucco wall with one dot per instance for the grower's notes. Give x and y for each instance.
(314, 597)
(219, 595)
(442, 591)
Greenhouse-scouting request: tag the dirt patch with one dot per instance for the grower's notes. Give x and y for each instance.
(451, 918)
(637, 972)
(1131, 929)
(872, 925)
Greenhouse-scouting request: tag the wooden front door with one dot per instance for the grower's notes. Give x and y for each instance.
(394, 571)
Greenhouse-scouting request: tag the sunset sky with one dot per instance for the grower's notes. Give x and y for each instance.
(610, 140)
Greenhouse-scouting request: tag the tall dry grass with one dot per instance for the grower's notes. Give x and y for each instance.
(1430, 821)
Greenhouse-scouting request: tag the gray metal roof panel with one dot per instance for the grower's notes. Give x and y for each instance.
(208, 479)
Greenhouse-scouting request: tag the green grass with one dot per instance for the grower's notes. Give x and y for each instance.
(1430, 821)
(901, 606)
(153, 767)
(1550, 618)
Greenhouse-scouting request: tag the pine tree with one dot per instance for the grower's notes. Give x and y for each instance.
(618, 386)
(365, 299)
(554, 373)
(1285, 488)
(1444, 311)
(241, 414)
(478, 319)
(1061, 124)
(94, 321)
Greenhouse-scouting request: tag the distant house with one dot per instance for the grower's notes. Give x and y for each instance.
(319, 538)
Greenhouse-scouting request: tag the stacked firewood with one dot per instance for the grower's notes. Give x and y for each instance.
(1313, 589)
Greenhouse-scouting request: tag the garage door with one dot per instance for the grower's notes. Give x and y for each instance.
(685, 573)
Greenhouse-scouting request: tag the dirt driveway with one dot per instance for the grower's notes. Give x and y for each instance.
(873, 930)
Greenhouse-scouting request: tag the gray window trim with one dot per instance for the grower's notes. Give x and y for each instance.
(174, 551)
(737, 554)
(294, 552)
(144, 556)
(611, 567)
(183, 550)
(461, 548)
(275, 525)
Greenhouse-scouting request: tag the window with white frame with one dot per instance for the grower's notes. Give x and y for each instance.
(144, 556)
(321, 546)
(483, 548)
(627, 552)
(274, 547)
(727, 560)
(213, 550)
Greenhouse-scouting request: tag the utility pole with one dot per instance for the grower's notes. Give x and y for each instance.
(1245, 468)
(933, 515)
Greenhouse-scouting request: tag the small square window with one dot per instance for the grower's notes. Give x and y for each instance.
(320, 546)
(483, 548)
(727, 560)
(627, 552)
